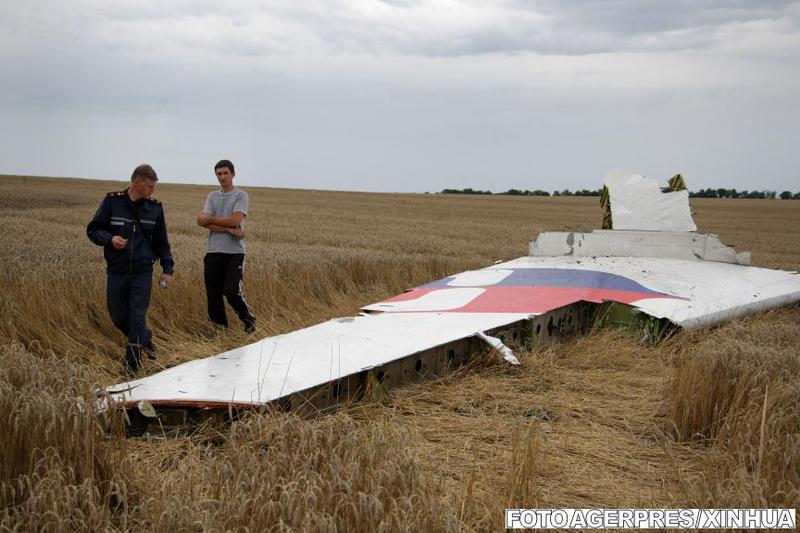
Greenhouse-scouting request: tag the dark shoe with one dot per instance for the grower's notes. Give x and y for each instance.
(150, 350)
(133, 359)
(249, 326)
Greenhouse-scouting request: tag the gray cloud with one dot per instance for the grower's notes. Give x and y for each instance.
(403, 95)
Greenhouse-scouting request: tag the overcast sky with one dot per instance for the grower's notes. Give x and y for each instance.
(404, 95)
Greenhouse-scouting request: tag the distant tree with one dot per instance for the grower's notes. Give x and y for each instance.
(566, 192)
(526, 192)
(468, 190)
(733, 193)
(760, 195)
(796, 196)
(706, 193)
(786, 195)
(586, 192)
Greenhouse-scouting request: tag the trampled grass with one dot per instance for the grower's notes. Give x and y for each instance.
(708, 419)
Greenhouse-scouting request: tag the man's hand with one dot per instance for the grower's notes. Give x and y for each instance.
(118, 242)
(204, 219)
(237, 232)
(165, 280)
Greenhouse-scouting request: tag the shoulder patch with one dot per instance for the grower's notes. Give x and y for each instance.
(154, 200)
(115, 194)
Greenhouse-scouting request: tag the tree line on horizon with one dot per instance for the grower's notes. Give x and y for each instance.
(702, 193)
(518, 192)
(733, 193)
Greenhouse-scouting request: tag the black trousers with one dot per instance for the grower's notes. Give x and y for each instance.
(128, 297)
(223, 275)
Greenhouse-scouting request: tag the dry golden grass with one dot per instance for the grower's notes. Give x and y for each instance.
(737, 393)
(59, 470)
(710, 418)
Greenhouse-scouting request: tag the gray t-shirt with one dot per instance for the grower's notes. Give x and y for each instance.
(222, 204)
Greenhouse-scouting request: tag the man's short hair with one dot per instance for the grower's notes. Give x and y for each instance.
(144, 172)
(225, 163)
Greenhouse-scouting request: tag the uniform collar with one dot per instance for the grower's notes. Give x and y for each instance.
(138, 203)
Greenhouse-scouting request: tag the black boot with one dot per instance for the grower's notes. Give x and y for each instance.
(133, 359)
(150, 350)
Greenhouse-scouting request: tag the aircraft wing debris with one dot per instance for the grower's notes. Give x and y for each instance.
(688, 293)
(279, 366)
(637, 203)
(613, 243)
(657, 268)
(502, 349)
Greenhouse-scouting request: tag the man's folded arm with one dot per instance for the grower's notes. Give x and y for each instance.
(218, 229)
(231, 221)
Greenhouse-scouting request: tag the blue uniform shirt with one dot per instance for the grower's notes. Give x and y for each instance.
(142, 223)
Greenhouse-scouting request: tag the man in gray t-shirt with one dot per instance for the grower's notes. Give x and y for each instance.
(223, 204)
(224, 215)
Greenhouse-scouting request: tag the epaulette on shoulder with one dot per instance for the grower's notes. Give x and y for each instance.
(115, 194)
(154, 200)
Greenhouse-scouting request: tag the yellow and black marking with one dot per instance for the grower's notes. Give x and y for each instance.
(677, 183)
(605, 203)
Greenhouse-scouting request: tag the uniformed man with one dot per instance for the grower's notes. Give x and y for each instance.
(130, 227)
(224, 215)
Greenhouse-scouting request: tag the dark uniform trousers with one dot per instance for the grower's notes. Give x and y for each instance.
(223, 276)
(128, 297)
(130, 269)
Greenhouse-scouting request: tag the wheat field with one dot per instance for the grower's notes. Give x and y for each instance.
(710, 418)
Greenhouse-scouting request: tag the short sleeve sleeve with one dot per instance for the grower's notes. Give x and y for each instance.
(241, 204)
(209, 207)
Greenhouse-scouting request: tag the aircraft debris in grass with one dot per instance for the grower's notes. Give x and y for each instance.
(651, 271)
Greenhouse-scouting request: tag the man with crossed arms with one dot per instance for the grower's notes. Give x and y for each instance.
(223, 215)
